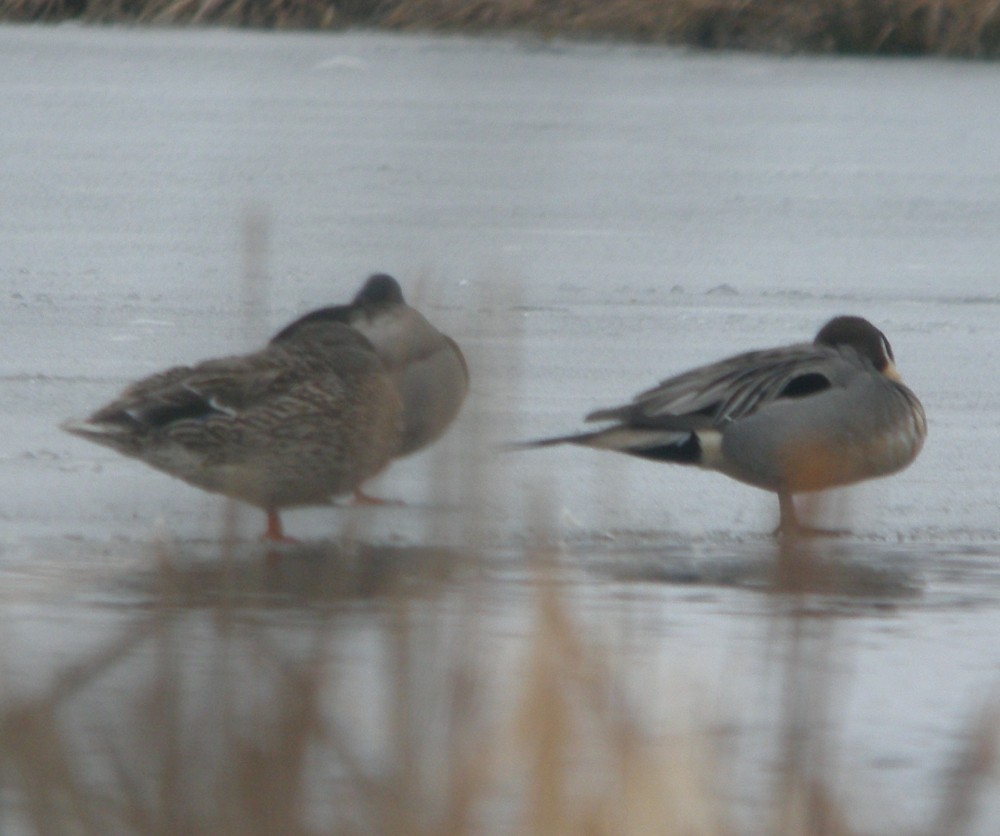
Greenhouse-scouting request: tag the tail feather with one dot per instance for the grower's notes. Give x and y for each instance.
(659, 445)
(114, 435)
(89, 429)
(535, 443)
(614, 413)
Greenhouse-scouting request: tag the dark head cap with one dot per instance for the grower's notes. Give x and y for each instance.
(380, 289)
(862, 336)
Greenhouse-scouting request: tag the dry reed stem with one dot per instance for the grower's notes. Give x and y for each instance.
(590, 766)
(974, 771)
(803, 634)
(962, 28)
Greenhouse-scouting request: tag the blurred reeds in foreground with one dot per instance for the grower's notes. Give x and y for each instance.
(344, 687)
(966, 28)
(349, 687)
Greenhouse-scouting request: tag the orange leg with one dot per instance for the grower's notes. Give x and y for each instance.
(275, 533)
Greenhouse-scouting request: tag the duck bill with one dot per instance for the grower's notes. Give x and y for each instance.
(891, 372)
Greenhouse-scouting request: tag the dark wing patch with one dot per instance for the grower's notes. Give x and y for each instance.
(166, 407)
(715, 395)
(183, 406)
(805, 384)
(687, 451)
(214, 388)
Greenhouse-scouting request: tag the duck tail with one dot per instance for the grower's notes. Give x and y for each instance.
(533, 444)
(680, 447)
(117, 436)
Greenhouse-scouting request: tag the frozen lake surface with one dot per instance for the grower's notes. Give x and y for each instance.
(585, 220)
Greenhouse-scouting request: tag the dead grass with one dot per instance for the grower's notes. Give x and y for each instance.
(343, 687)
(266, 742)
(224, 720)
(962, 28)
(969, 28)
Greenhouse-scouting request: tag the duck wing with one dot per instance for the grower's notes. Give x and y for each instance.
(223, 387)
(716, 394)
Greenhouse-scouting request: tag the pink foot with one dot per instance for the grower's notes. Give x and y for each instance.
(275, 533)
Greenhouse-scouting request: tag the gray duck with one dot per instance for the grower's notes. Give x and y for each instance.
(428, 366)
(803, 417)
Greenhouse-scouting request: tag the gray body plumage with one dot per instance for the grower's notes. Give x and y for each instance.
(800, 418)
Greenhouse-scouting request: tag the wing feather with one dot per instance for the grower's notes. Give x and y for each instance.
(716, 394)
(222, 387)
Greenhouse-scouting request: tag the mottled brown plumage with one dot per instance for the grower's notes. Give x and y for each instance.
(308, 418)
